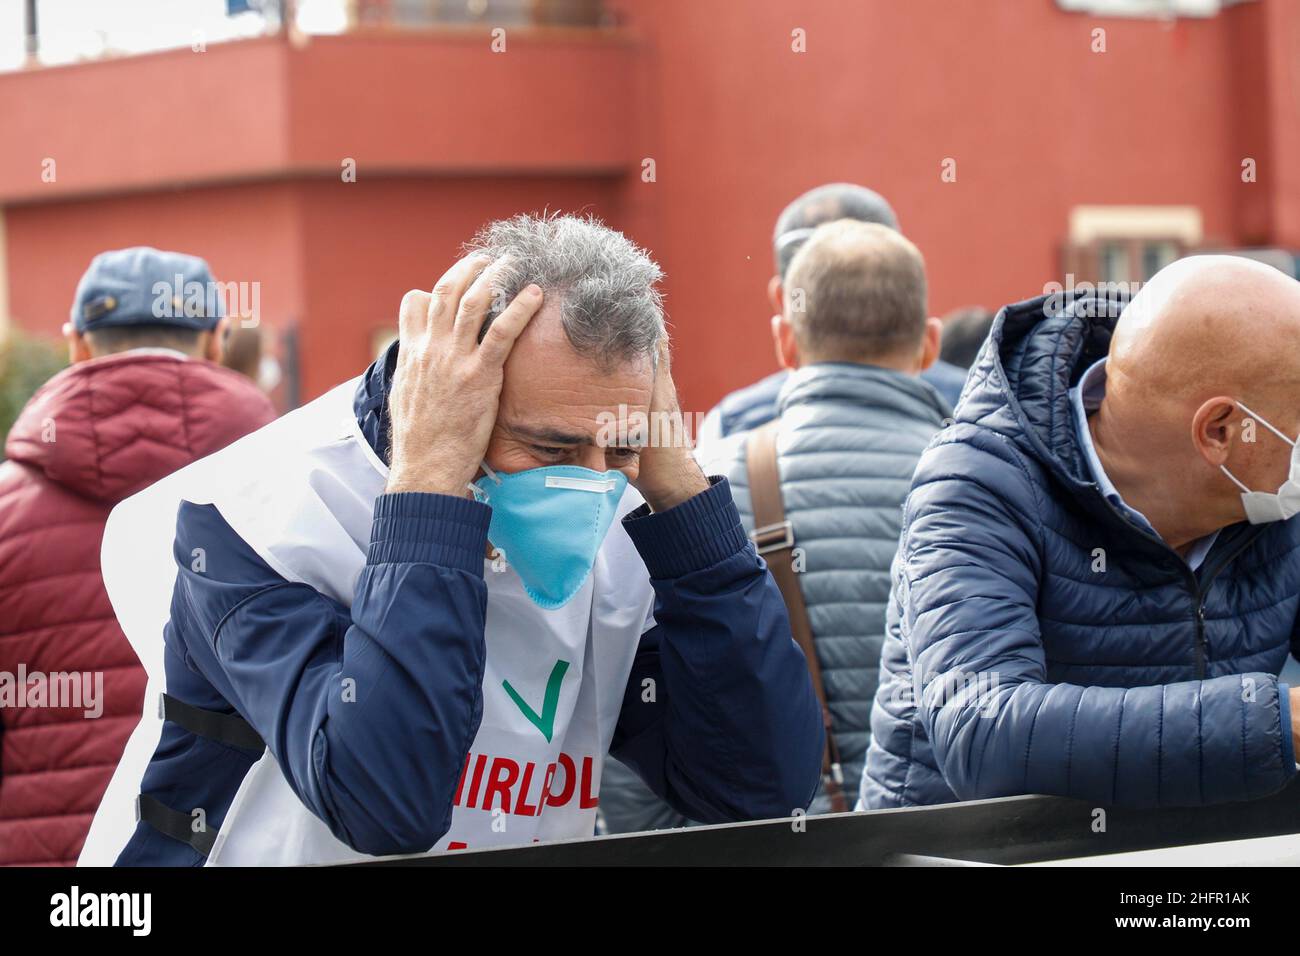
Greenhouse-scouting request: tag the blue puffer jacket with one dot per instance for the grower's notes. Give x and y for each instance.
(1037, 642)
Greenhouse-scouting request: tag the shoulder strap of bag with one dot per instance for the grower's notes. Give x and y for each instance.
(773, 535)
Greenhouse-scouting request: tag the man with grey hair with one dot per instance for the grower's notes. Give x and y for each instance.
(853, 420)
(755, 404)
(419, 630)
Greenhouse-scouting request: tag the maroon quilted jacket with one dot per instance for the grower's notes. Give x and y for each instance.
(94, 434)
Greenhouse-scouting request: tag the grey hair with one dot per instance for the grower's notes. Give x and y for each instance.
(822, 205)
(610, 307)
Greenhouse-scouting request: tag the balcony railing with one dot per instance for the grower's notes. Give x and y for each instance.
(64, 31)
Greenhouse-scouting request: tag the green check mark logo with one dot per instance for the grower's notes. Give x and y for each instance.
(545, 722)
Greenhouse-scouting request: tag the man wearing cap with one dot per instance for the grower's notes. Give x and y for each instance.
(143, 397)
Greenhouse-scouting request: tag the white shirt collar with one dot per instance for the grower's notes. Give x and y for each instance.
(171, 353)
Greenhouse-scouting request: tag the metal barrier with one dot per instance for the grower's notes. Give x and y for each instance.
(1009, 830)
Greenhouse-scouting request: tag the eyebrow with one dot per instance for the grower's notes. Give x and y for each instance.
(554, 436)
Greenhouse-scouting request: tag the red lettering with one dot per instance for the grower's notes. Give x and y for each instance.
(498, 776)
(588, 799)
(499, 784)
(570, 781)
(522, 806)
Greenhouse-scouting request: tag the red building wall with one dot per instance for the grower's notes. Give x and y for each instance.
(1036, 122)
(235, 153)
(367, 246)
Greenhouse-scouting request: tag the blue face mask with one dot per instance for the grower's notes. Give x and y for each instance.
(549, 523)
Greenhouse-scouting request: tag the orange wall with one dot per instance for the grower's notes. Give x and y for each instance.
(247, 233)
(234, 154)
(1036, 122)
(332, 258)
(132, 123)
(368, 243)
(446, 104)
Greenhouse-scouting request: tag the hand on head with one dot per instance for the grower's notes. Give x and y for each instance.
(524, 397)
(448, 384)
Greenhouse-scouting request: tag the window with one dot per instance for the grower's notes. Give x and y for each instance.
(1127, 244)
(1113, 261)
(1157, 255)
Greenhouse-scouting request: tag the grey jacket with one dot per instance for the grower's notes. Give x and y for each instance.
(849, 439)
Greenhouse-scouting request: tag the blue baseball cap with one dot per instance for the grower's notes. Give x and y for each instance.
(144, 286)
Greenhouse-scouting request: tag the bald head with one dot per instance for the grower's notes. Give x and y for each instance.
(856, 292)
(1209, 324)
(1208, 345)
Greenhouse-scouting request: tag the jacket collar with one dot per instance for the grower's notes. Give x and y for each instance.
(1037, 350)
(370, 404)
(861, 384)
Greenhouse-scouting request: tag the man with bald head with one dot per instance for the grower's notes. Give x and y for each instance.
(1097, 584)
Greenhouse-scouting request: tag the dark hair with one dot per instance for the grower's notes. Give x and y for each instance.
(964, 332)
(822, 205)
(122, 338)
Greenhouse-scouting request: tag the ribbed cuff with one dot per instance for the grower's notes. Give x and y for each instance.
(696, 534)
(416, 527)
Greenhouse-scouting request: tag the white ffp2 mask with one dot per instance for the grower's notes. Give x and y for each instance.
(1265, 506)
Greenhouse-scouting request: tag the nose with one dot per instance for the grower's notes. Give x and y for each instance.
(593, 457)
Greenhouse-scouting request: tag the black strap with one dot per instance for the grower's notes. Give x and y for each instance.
(230, 729)
(172, 823)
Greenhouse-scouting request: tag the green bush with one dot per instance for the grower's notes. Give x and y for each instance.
(26, 363)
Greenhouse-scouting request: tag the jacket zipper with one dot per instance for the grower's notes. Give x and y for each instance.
(1203, 589)
(1198, 589)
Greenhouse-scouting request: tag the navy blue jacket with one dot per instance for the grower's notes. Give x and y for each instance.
(1038, 641)
(734, 732)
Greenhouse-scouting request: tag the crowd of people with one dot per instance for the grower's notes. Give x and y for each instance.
(444, 606)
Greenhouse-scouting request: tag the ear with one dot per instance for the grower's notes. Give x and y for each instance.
(215, 346)
(787, 349)
(1215, 429)
(78, 347)
(930, 342)
(776, 295)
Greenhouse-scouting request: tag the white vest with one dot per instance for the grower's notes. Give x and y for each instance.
(301, 493)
